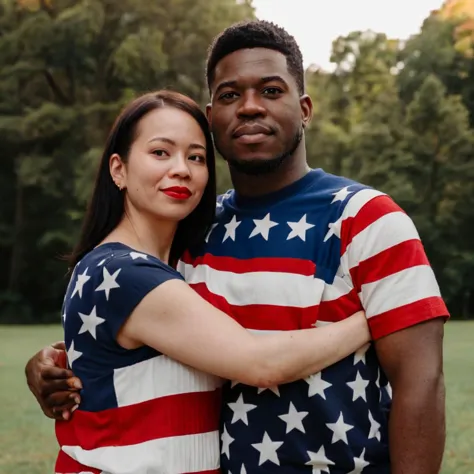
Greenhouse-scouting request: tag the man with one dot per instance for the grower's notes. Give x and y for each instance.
(292, 248)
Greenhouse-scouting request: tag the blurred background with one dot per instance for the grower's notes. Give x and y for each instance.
(393, 88)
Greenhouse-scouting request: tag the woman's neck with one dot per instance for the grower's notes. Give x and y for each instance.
(147, 235)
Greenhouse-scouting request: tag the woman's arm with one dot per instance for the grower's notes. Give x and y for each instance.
(176, 321)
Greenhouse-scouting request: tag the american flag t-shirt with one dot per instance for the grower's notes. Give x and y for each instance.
(141, 412)
(309, 255)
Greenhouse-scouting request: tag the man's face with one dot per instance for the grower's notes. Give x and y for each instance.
(256, 113)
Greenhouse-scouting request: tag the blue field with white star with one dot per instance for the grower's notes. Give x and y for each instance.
(27, 437)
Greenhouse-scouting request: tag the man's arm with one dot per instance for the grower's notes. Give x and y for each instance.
(412, 359)
(54, 386)
(399, 293)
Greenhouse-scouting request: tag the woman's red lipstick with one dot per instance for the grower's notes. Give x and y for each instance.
(177, 192)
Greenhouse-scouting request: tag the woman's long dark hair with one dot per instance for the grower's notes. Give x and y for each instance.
(106, 206)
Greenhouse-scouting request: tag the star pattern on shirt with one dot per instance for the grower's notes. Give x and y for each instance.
(72, 354)
(90, 322)
(359, 464)
(231, 227)
(136, 255)
(294, 419)
(226, 440)
(359, 355)
(82, 279)
(108, 282)
(241, 409)
(341, 195)
(273, 389)
(268, 450)
(299, 229)
(262, 227)
(374, 428)
(319, 461)
(339, 430)
(317, 385)
(358, 387)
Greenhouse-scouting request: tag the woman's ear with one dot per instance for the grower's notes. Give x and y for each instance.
(118, 171)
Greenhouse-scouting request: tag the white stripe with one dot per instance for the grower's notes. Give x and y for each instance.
(340, 287)
(387, 231)
(399, 289)
(271, 288)
(358, 201)
(178, 454)
(159, 377)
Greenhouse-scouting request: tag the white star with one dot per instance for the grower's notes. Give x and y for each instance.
(339, 430)
(136, 255)
(64, 316)
(240, 410)
(262, 227)
(267, 449)
(213, 226)
(230, 229)
(341, 194)
(374, 428)
(388, 388)
(233, 383)
(273, 389)
(359, 356)
(72, 354)
(108, 282)
(101, 262)
(294, 419)
(358, 387)
(298, 229)
(82, 279)
(319, 461)
(90, 322)
(243, 470)
(227, 440)
(359, 464)
(334, 229)
(377, 383)
(317, 385)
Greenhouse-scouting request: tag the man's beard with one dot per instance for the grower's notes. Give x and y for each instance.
(256, 166)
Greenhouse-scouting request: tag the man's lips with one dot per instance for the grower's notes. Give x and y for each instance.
(251, 129)
(177, 192)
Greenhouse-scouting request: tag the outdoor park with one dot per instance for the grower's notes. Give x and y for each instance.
(396, 113)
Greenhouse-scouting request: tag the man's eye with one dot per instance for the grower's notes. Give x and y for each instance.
(272, 91)
(228, 95)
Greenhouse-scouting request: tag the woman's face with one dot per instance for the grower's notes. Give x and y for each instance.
(166, 171)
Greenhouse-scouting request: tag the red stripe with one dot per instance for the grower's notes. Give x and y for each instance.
(407, 315)
(174, 415)
(67, 465)
(368, 214)
(262, 317)
(405, 255)
(341, 308)
(236, 265)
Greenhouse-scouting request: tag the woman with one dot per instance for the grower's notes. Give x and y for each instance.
(134, 329)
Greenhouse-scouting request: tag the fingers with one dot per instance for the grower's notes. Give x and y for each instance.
(60, 345)
(48, 372)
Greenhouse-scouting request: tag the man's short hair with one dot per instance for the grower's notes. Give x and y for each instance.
(256, 34)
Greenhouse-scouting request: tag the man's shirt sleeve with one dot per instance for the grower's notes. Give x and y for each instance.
(388, 266)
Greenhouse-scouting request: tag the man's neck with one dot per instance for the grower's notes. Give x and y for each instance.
(290, 171)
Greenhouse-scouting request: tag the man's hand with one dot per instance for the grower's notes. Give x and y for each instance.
(53, 385)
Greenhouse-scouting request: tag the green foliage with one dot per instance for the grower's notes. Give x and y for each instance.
(394, 114)
(67, 67)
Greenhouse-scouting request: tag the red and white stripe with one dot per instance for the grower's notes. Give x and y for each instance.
(167, 420)
(383, 270)
(383, 254)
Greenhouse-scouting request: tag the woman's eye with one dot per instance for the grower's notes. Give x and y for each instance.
(160, 153)
(198, 158)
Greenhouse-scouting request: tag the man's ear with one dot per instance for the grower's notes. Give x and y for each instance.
(208, 114)
(306, 109)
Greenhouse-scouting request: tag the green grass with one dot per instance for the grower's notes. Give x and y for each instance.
(28, 445)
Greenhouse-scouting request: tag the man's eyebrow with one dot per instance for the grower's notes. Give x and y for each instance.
(263, 80)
